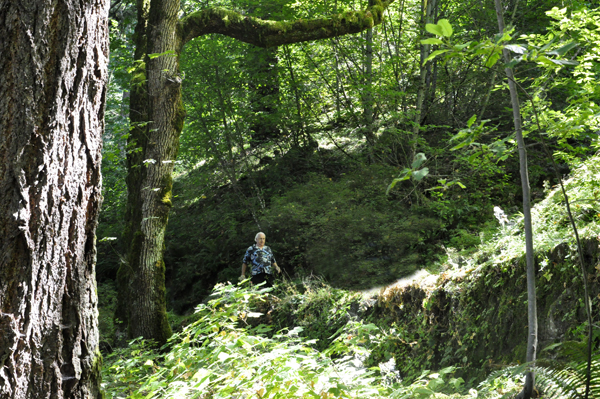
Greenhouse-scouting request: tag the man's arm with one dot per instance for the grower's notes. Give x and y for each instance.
(277, 267)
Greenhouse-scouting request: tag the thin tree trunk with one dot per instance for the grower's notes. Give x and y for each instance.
(53, 73)
(264, 94)
(531, 297)
(427, 9)
(299, 130)
(368, 88)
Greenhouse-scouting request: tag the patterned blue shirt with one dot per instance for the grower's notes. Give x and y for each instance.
(260, 259)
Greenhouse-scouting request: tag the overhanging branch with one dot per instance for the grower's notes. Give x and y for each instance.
(264, 33)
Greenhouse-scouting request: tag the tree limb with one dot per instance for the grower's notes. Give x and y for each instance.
(264, 33)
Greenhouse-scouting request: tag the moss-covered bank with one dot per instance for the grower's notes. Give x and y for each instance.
(477, 316)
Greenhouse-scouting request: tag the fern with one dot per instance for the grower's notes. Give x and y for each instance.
(569, 381)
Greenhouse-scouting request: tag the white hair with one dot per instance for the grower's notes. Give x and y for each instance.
(257, 234)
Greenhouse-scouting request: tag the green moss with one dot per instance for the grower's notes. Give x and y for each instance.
(138, 78)
(96, 373)
(167, 198)
(164, 328)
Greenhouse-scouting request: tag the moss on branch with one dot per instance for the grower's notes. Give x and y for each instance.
(264, 33)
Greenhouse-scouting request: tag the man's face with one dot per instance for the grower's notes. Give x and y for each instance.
(260, 240)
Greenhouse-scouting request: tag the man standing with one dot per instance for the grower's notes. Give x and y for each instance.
(261, 258)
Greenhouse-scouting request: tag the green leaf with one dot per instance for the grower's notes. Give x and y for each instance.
(435, 54)
(166, 53)
(564, 62)
(424, 391)
(461, 145)
(446, 27)
(462, 46)
(545, 60)
(420, 174)
(471, 120)
(514, 62)
(432, 40)
(492, 60)
(515, 48)
(434, 29)
(563, 50)
(406, 175)
(418, 160)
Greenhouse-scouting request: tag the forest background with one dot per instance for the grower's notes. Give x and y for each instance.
(363, 158)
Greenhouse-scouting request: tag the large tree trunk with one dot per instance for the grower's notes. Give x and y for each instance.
(157, 116)
(53, 69)
(157, 120)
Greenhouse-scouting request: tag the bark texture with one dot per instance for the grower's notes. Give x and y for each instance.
(53, 71)
(157, 119)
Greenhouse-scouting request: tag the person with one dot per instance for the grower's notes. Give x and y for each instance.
(261, 259)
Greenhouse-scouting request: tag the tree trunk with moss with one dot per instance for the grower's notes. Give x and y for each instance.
(53, 73)
(157, 120)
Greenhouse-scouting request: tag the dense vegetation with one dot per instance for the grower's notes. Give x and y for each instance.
(363, 164)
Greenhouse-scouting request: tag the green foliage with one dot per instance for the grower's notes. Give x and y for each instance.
(114, 140)
(550, 220)
(348, 230)
(107, 302)
(320, 310)
(215, 357)
(223, 353)
(413, 172)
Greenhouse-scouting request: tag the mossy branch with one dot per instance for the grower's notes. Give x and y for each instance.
(264, 33)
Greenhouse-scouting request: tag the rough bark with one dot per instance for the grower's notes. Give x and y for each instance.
(138, 135)
(157, 120)
(531, 296)
(53, 71)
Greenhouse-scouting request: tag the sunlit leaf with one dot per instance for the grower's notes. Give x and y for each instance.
(563, 50)
(432, 40)
(515, 48)
(492, 60)
(471, 120)
(564, 62)
(446, 27)
(418, 160)
(420, 174)
(435, 54)
(434, 29)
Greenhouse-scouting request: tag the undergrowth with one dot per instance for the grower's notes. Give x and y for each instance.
(222, 355)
